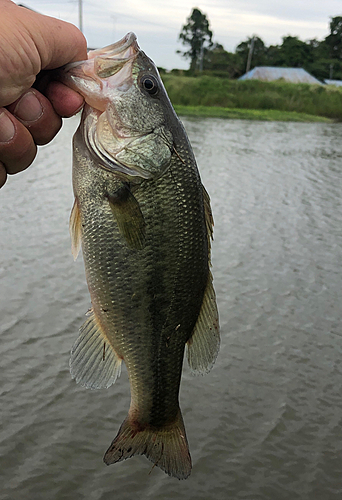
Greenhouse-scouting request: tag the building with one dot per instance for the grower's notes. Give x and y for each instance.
(269, 74)
(337, 83)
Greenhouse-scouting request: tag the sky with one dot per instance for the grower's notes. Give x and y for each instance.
(157, 23)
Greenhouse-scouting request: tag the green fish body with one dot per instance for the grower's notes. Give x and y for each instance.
(143, 220)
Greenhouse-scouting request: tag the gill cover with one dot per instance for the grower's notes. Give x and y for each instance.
(123, 120)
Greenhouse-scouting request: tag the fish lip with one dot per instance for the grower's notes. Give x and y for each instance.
(121, 52)
(129, 41)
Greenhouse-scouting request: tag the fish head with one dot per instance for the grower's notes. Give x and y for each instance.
(127, 116)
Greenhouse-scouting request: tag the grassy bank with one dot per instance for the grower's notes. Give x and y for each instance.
(267, 97)
(248, 114)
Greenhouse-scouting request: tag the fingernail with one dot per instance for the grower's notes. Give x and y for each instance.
(7, 129)
(28, 108)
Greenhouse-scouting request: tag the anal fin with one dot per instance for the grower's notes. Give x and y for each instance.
(93, 361)
(204, 343)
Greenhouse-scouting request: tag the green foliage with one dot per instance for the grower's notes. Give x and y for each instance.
(323, 59)
(292, 53)
(259, 52)
(206, 90)
(219, 61)
(248, 114)
(334, 40)
(323, 68)
(197, 36)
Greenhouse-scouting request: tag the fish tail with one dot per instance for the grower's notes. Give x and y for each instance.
(166, 447)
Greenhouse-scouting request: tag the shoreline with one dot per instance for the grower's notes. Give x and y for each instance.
(249, 114)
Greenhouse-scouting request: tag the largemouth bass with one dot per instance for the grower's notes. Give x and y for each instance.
(144, 222)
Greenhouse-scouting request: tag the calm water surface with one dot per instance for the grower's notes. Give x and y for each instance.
(265, 424)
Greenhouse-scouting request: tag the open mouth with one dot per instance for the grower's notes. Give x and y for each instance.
(124, 48)
(104, 70)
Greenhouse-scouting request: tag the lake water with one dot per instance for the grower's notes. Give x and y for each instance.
(266, 423)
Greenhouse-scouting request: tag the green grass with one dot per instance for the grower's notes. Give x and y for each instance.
(253, 95)
(248, 114)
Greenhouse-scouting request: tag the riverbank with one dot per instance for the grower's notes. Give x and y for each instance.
(222, 97)
(248, 114)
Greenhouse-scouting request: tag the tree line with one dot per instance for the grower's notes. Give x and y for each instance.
(323, 59)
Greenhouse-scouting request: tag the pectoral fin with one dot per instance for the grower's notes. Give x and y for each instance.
(93, 361)
(128, 216)
(204, 343)
(75, 229)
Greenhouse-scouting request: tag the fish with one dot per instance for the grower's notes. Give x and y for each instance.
(143, 220)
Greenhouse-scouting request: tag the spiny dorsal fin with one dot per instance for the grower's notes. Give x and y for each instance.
(128, 216)
(75, 229)
(204, 343)
(93, 361)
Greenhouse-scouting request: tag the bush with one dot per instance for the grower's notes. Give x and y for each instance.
(208, 90)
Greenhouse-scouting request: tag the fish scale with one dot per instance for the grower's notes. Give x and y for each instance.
(144, 221)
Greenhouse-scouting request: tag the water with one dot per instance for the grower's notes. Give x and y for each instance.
(265, 424)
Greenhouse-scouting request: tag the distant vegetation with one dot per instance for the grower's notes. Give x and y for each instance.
(323, 59)
(248, 114)
(222, 93)
(210, 86)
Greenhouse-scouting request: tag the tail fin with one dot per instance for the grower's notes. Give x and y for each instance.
(166, 447)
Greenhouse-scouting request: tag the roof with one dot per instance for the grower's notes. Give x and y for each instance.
(337, 83)
(270, 73)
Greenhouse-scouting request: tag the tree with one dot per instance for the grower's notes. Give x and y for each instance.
(197, 35)
(219, 61)
(312, 55)
(334, 40)
(258, 55)
(294, 52)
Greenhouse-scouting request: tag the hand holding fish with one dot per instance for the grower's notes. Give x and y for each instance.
(29, 44)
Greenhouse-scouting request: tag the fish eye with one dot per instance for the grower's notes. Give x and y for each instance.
(150, 84)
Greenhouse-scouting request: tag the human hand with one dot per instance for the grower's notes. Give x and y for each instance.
(29, 44)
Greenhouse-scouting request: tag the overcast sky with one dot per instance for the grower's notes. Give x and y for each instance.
(157, 23)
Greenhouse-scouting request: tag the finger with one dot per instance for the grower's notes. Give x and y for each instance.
(3, 175)
(65, 101)
(57, 41)
(68, 44)
(36, 112)
(17, 148)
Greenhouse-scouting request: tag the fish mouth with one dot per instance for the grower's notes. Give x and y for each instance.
(124, 48)
(105, 69)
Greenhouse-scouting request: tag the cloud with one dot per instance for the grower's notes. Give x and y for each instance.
(158, 23)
